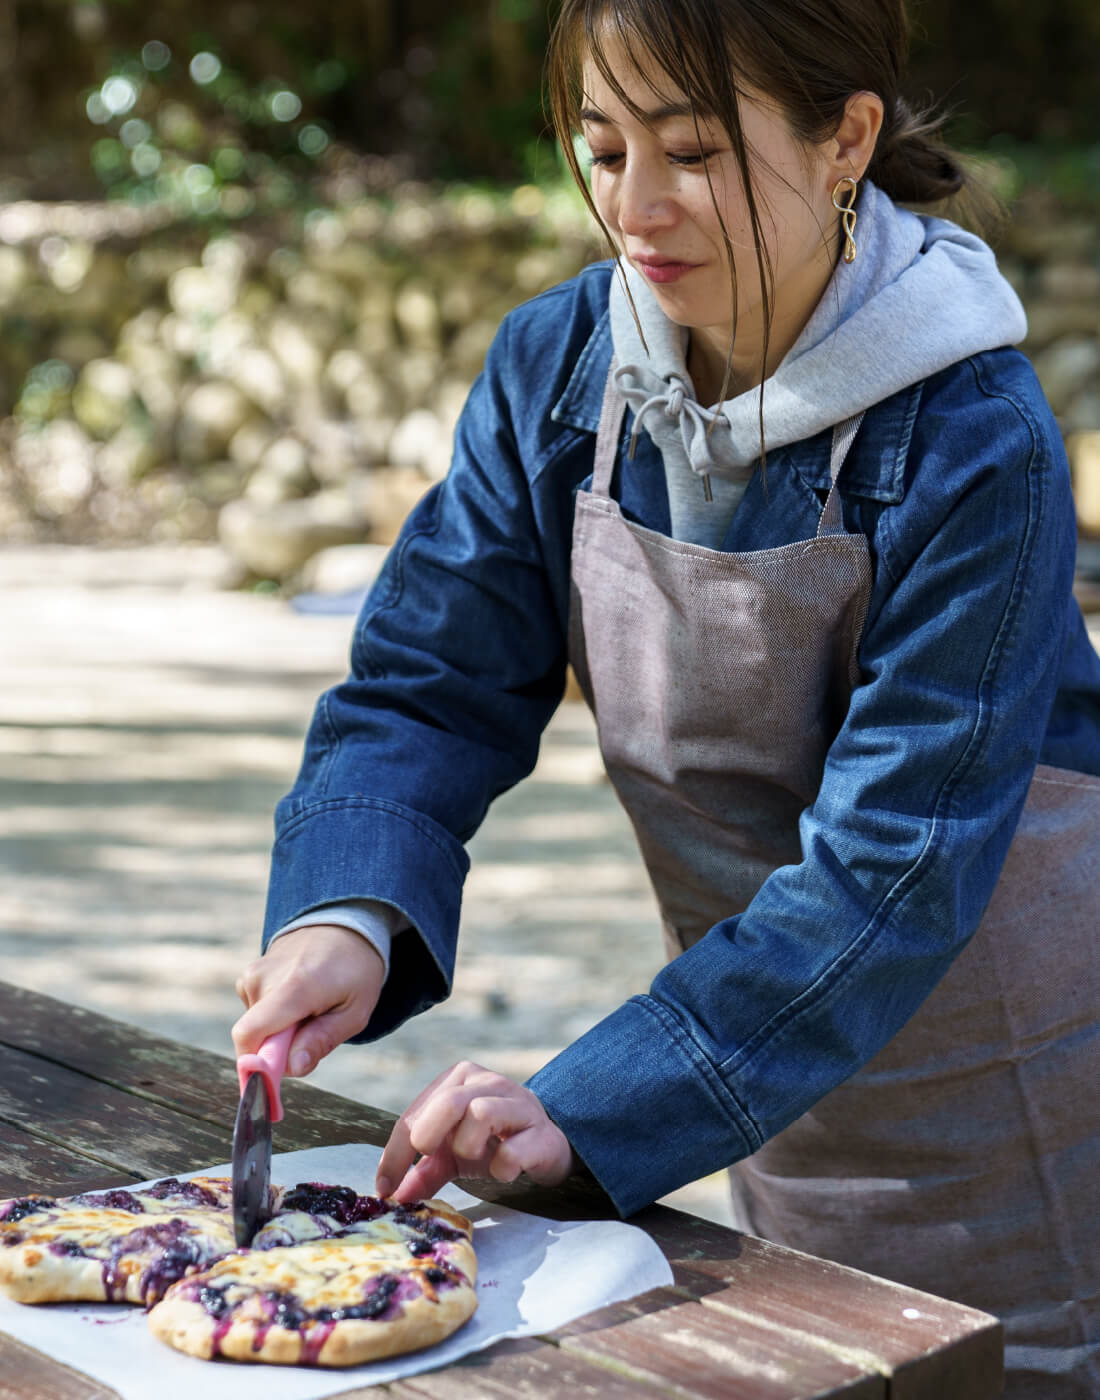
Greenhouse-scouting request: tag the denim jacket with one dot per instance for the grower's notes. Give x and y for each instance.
(975, 666)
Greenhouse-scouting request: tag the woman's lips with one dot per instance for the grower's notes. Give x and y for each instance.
(663, 269)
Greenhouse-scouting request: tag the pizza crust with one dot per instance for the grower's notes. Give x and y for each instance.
(29, 1273)
(188, 1327)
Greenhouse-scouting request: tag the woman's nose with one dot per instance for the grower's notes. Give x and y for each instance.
(645, 201)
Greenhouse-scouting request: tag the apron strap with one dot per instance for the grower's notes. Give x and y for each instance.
(608, 434)
(832, 521)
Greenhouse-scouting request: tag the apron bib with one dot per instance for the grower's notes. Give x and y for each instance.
(961, 1159)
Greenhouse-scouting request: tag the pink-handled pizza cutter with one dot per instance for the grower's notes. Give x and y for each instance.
(261, 1105)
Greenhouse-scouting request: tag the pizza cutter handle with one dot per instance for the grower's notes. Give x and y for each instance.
(270, 1061)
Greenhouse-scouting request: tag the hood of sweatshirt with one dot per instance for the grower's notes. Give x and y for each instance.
(921, 294)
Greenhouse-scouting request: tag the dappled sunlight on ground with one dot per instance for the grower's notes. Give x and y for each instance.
(149, 723)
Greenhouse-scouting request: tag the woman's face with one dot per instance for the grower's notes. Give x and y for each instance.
(651, 188)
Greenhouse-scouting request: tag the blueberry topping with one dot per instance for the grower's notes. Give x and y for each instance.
(24, 1206)
(213, 1300)
(420, 1244)
(315, 1199)
(286, 1311)
(373, 1305)
(188, 1190)
(434, 1231)
(175, 1253)
(66, 1249)
(113, 1200)
(437, 1275)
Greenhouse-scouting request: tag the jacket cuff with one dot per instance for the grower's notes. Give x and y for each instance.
(362, 848)
(640, 1067)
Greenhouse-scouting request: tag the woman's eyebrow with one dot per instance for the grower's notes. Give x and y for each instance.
(666, 112)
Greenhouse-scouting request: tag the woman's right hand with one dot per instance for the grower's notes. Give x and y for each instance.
(323, 978)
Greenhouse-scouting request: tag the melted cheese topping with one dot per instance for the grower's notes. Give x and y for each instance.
(324, 1274)
(94, 1229)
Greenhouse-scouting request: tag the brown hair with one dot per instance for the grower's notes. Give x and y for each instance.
(809, 56)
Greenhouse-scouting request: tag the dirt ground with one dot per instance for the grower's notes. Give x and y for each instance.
(149, 721)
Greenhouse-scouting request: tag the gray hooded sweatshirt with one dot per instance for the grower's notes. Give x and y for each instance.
(921, 294)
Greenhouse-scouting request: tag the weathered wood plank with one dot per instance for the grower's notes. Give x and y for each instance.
(29, 1163)
(852, 1313)
(169, 1073)
(124, 1133)
(28, 1375)
(666, 1338)
(522, 1369)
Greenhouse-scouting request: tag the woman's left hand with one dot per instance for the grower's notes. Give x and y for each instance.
(471, 1122)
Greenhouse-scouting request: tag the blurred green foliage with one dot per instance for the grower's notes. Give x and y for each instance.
(233, 105)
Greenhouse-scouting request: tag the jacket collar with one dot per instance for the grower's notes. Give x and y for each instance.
(875, 467)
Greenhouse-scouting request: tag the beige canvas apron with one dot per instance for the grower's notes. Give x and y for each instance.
(964, 1159)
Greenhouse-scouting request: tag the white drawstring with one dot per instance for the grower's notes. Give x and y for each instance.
(693, 418)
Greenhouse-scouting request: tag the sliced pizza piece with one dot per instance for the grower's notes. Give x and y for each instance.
(380, 1288)
(112, 1246)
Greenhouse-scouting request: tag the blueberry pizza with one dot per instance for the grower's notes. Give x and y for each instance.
(332, 1279)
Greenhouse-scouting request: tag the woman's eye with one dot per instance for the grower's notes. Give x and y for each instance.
(609, 158)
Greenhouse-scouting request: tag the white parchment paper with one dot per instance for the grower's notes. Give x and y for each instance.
(534, 1275)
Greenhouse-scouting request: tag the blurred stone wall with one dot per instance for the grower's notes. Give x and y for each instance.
(289, 388)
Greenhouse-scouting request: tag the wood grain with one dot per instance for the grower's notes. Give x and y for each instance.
(673, 1340)
(87, 1102)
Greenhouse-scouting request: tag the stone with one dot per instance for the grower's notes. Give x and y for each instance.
(103, 397)
(470, 346)
(416, 373)
(1049, 320)
(275, 541)
(1083, 450)
(295, 349)
(420, 440)
(203, 293)
(313, 292)
(129, 455)
(1070, 281)
(210, 415)
(394, 492)
(58, 464)
(1082, 413)
(1066, 367)
(417, 316)
(344, 568)
(282, 474)
(14, 276)
(336, 451)
(249, 443)
(260, 377)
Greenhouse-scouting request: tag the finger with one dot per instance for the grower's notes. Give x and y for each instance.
(444, 1110)
(399, 1153)
(427, 1177)
(320, 1035)
(489, 1117)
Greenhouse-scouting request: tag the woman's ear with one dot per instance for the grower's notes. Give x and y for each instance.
(853, 145)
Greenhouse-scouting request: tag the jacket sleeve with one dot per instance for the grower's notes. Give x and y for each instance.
(457, 663)
(921, 794)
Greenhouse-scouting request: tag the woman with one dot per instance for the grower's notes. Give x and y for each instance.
(799, 517)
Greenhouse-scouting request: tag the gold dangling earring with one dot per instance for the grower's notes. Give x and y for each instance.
(845, 190)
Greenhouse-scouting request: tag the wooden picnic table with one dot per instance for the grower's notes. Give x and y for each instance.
(87, 1102)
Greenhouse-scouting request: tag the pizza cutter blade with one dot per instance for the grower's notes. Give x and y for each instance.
(261, 1106)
